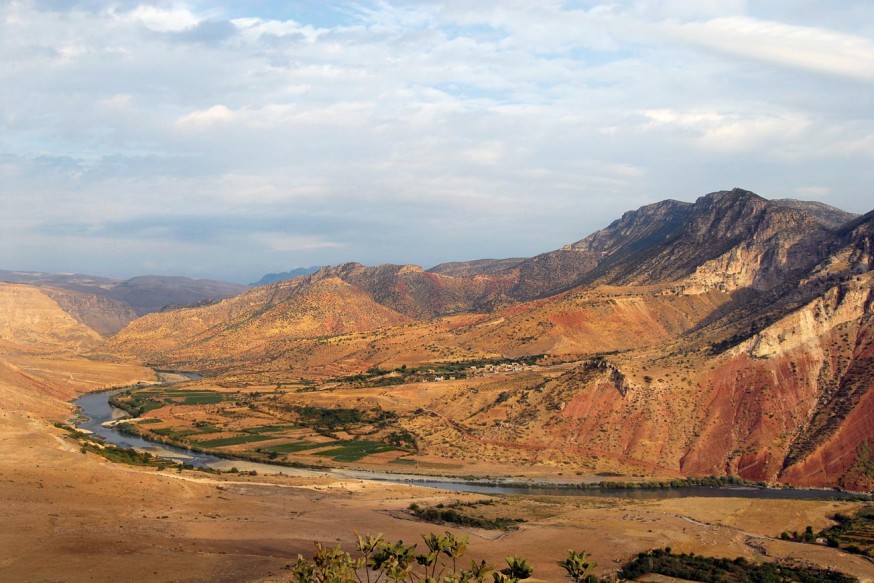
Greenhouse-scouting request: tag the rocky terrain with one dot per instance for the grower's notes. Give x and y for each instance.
(732, 335)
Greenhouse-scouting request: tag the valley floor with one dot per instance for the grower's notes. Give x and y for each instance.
(72, 517)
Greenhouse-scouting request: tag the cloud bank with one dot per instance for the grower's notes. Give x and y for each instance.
(225, 139)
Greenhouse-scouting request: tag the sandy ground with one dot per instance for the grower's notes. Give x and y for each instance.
(72, 517)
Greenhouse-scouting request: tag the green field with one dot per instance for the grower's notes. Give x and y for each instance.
(139, 402)
(192, 397)
(176, 432)
(236, 440)
(853, 533)
(270, 428)
(173, 432)
(286, 448)
(352, 451)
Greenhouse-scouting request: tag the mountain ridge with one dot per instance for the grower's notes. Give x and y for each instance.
(729, 335)
(123, 299)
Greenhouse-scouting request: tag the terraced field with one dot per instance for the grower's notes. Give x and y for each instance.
(264, 425)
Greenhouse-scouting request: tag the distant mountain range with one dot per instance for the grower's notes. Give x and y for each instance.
(731, 335)
(277, 277)
(107, 305)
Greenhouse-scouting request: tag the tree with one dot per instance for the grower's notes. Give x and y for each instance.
(516, 570)
(578, 566)
(378, 561)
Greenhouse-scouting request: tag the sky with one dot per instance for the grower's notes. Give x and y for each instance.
(225, 139)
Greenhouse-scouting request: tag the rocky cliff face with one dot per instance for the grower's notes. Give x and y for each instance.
(635, 233)
(790, 394)
(33, 321)
(103, 315)
(828, 216)
(726, 240)
(732, 335)
(732, 240)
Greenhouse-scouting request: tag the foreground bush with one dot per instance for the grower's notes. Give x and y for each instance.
(378, 560)
(713, 570)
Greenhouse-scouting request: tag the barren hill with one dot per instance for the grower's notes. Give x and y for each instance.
(32, 320)
(41, 348)
(255, 326)
(107, 305)
(732, 335)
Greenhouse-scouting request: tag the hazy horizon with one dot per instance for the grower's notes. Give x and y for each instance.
(223, 140)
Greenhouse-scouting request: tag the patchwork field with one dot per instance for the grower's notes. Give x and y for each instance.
(441, 419)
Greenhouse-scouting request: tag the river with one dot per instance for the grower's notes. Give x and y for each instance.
(96, 409)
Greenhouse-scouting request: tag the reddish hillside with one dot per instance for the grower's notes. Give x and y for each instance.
(732, 335)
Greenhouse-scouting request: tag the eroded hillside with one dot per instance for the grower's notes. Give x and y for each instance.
(732, 335)
(41, 355)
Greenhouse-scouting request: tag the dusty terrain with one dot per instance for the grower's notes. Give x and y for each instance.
(681, 340)
(74, 517)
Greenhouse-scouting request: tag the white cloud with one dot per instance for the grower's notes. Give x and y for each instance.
(489, 153)
(120, 101)
(804, 47)
(282, 242)
(253, 29)
(161, 19)
(514, 126)
(204, 118)
(737, 132)
(687, 9)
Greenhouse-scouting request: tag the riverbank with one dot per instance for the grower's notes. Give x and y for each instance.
(97, 407)
(75, 517)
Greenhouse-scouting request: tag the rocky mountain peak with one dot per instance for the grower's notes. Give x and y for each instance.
(733, 196)
(637, 229)
(827, 215)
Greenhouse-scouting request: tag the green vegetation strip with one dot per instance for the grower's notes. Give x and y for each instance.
(270, 428)
(139, 402)
(450, 515)
(352, 451)
(854, 534)
(109, 451)
(295, 447)
(236, 440)
(174, 432)
(713, 570)
(194, 397)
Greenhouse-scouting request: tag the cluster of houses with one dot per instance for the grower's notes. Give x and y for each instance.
(431, 376)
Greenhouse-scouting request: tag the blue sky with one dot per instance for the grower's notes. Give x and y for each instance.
(230, 139)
